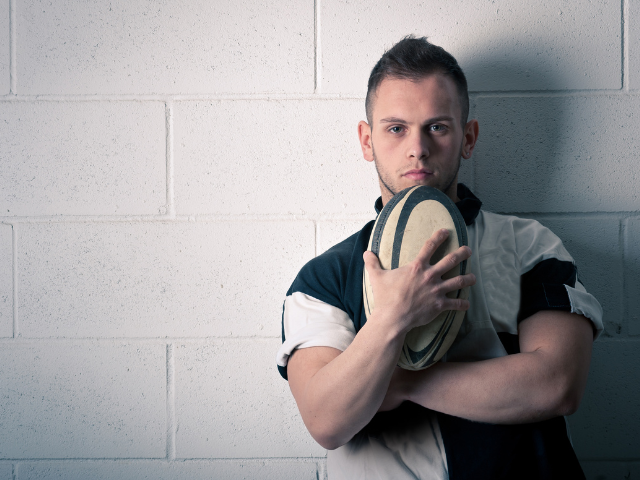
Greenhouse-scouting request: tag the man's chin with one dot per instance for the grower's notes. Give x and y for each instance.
(428, 182)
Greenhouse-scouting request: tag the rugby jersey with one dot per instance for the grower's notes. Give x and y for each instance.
(521, 267)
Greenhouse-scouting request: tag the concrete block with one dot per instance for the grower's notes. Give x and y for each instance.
(155, 279)
(632, 273)
(232, 407)
(163, 470)
(266, 157)
(6, 280)
(82, 158)
(558, 154)
(607, 423)
(5, 48)
(6, 471)
(86, 400)
(633, 36)
(595, 244)
(333, 232)
(602, 470)
(73, 47)
(501, 46)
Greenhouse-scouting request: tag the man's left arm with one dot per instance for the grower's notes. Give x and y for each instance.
(546, 379)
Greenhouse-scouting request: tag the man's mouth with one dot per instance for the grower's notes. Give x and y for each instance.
(418, 174)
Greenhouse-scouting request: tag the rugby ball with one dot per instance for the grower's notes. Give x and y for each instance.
(405, 223)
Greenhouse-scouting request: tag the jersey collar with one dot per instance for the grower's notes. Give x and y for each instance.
(469, 205)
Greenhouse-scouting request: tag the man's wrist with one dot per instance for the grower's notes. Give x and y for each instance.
(389, 324)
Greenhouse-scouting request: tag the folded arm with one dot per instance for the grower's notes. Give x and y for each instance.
(338, 393)
(547, 379)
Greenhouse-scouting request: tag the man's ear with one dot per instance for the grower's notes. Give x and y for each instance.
(470, 138)
(364, 133)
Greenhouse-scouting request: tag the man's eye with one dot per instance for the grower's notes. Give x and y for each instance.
(395, 129)
(436, 128)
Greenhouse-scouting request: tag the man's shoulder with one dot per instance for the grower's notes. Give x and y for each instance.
(500, 220)
(529, 239)
(523, 228)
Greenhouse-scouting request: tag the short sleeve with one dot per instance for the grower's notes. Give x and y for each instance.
(549, 276)
(309, 322)
(583, 303)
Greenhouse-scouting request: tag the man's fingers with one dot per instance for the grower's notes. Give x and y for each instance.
(456, 304)
(431, 245)
(458, 283)
(371, 262)
(449, 262)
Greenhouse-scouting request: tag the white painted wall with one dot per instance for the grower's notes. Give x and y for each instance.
(167, 167)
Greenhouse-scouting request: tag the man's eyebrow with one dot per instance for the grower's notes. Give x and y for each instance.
(429, 121)
(392, 120)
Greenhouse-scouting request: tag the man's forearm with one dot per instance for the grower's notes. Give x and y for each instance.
(544, 381)
(346, 391)
(338, 393)
(502, 390)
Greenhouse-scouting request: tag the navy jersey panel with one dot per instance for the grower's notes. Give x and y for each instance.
(335, 277)
(543, 287)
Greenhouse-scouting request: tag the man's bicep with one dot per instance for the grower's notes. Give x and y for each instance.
(303, 364)
(553, 328)
(563, 341)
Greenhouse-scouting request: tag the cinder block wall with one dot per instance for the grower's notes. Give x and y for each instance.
(167, 167)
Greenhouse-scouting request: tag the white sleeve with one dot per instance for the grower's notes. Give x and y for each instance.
(308, 322)
(536, 243)
(583, 303)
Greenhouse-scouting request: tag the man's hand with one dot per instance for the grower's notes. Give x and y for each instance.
(415, 294)
(338, 393)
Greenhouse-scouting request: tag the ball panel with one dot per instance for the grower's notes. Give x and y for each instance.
(400, 231)
(425, 218)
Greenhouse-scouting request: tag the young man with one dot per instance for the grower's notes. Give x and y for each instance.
(493, 408)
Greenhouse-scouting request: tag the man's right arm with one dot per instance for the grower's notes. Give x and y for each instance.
(338, 393)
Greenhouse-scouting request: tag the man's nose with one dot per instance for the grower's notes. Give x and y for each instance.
(418, 145)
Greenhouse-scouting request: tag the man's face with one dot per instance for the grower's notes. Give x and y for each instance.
(416, 136)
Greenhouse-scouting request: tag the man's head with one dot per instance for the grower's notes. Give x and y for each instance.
(417, 130)
(413, 59)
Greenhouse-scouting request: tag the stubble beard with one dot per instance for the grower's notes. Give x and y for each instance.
(386, 183)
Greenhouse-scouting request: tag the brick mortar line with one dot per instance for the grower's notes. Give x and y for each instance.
(321, 470)
(624, 33)
(317, 72)
(183, 219)
(559, 215)
(160, 341)
(134, 460)
(627, 243)
(13, 40)
(171, 407)
(296, 96)
(622, 238)
(178, 98)
(171, 208)
(14, 275)
(553, 93)
(622, 215)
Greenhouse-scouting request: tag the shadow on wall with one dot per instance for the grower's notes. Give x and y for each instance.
(516, 159)
(552, 150)
(542, 153)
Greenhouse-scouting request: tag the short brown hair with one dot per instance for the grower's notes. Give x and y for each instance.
(413, 59)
